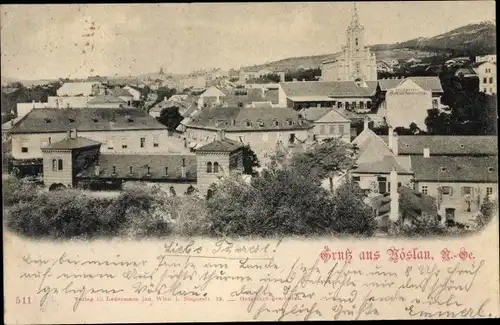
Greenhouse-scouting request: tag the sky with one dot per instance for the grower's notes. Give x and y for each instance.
(71, 40)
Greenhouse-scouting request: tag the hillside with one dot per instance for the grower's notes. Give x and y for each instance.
(472, 39)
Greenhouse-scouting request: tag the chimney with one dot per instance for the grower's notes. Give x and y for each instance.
(390, 136)
(394, 212)
(365, 124)
(395, 144)
(68, 134)
(33, 101)
(97, 170)
(183, 168)
(74, 134)
(221, 134)
(427, 152)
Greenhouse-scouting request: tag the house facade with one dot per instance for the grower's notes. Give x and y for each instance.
(487, 74)
(328, 123)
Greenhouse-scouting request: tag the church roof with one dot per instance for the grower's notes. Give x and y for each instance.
(328, 88)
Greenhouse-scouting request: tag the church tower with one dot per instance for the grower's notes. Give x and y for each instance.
(356, 62)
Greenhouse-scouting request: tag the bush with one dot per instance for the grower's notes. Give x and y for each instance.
(17, 190)
(420, 226)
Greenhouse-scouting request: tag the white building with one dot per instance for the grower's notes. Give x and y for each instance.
(487, 58)
(487, 74)
(356, 62)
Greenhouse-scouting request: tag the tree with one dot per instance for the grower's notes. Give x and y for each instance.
(327, 159)
(250, 160)
(170, 117)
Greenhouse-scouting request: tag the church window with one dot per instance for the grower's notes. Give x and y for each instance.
(209, 167)
(54, 165)
(60, 164)
(356, 41)
(216, 167)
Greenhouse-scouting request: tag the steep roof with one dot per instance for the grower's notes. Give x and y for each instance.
(328, 88)
(72, 143)
(76, 88)
(427, 83)
(43, 120)
(456, 168)
(375, 156)
(157, 164)
(224, 145)
(249, 119)
(120, 92)
(447, 145)
(107, 99)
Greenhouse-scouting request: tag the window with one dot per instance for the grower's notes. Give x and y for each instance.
(322, 129)
(166, 171)
(332, 129)
(425, 190)
(24, 149)
(276, 123)
(111, 145)
(484, 90)
(114, 170)
(353, 105)
(485, 80)
(54, 165)
(357, 42)
(143, 141)
(216, 167)
(124, 146)
(369, 104)
(155, 141)
(434, 103)
(466, 190)
(248, 123)
(489, 191)
(491, 80)
(339, 105)
(362, 105)
(50, 140)
(346, 105)
(60, 164)
(341, 129)
(356, 178)
(155, 145)
(291, 138)
(382, 184)
(209, 167)
(447, 190)
(131, 170)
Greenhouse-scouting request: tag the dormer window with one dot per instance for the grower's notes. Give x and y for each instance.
(95, 120)
(261, 123)
(443, 169)
(462, 146)
(490, 169)
(71, 120)
(47, 120)
(276, 123)
(248, 123)
(290, 122)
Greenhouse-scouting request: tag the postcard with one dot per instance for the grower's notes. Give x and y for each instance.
(249, 162)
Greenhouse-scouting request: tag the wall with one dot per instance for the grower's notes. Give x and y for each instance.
(346, 135)
(166, 143)
(64, 176)
(68, 101)
(488, 71)
(206, 179)
(457, 200)
(403, 107)
(262, 143)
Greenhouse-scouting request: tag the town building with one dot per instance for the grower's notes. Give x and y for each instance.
(492, 58)
(108, 101)
(383, 66)
(407, 100)
(76, 94)
(356, 62)
(487, 74)
(135, 92)
(76, 161)
(260, 126)
(328, 123)
(126, 131)
(212, 96)
(349, 95)
(123, 94)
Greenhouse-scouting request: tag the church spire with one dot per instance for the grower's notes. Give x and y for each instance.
(355, 17)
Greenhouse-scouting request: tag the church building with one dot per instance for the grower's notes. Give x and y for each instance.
(356, 62)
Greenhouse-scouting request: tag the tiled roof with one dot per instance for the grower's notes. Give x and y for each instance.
(427, 83)
(72, 143)
(120, 92)
(328, 88)
(249, 118)
(157, 164)
(272, 95)
(456, 168)
(234, 97)
(43, 120)
(375, 156)
(76, 88)
(10, 124)
(447, 145)
(107, 99)
(315, 113)
(225, 145)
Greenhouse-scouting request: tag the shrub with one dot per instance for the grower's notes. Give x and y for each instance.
(17, 190)
(420, 226)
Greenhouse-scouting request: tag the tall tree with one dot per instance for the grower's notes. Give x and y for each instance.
(327, 159)
(170, 117)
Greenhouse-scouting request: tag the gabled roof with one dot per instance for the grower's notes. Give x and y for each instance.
(157, 164)
(120, 92)
(375, 156)
(427, 83)
(224, 145)
(328, 88)
(456, 168)
(43, 120)
(72, 143)
(447, 145)
(322, 114)
(107, 99)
